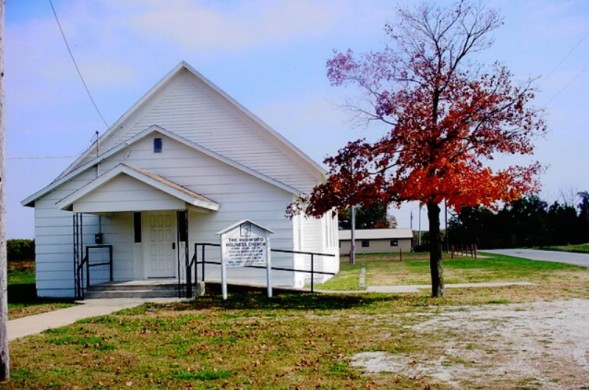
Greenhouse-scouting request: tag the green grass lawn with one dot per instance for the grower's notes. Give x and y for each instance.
(289, 341)
(382, 270)
(580, 248)
(285, 342)
(21, 272)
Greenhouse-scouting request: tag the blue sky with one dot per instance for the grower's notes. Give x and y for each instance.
(270, 56)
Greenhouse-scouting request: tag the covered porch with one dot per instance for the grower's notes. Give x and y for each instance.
(130, 228)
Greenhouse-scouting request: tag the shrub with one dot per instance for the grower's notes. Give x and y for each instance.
(20, 249)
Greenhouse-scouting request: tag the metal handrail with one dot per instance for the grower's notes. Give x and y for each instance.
(80, 278)
(86, 262)
(312, 271)
(191, 263)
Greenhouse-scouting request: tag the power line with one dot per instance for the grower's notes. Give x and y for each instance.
(566, 55)
(93, 141)
(554, 96)
(40, 157)
(76, 64)
(557, 94)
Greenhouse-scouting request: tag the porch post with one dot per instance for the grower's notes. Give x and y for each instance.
(78, 234)
(182, 220)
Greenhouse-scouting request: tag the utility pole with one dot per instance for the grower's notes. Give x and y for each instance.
(419, 235)
(446, 226)
(353, 236)
(4, 355)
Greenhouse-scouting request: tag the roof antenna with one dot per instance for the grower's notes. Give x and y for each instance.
(97, 132)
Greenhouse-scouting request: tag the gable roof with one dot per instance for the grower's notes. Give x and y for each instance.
(244, 221)
(147, 132)
(146, 177)
(183, 66)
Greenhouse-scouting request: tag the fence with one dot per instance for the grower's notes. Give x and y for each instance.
(464, 250)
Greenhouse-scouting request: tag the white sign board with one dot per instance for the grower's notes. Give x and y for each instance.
(245, 244)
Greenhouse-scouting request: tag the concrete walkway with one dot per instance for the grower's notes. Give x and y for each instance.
(418, 287)
(415, 288)
(89, 308)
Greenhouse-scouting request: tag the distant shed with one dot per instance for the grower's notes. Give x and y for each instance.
(377, 240)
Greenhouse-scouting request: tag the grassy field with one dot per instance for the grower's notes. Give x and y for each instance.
(414, 269)
(289, 341)
(580, 248)
(21, 272)
(22, 294)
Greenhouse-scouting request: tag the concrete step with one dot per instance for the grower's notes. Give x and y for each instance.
(131, 294)
(128, 290)
(131, 287)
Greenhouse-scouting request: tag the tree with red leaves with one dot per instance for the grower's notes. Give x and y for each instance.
(448, 117)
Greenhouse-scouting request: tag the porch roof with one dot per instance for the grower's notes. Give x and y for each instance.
(126, 188)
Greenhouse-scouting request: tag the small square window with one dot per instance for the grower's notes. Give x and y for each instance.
(394, 243)
(157, 145)
(365, 243)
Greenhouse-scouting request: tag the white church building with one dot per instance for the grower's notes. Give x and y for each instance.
(182, 164)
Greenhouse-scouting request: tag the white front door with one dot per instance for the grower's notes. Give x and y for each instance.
(161, 251)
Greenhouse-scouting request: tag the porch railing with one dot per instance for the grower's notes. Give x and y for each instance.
(83, 270)
(192, 266)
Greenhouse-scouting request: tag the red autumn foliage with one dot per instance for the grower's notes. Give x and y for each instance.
(441, 136)
(449, 118)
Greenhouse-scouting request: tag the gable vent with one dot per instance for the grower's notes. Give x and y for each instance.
(158, 145)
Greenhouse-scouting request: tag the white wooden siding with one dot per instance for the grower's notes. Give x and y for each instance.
(124, 193)
(54, 240)
(191, 109)
(117, 230)
(241, 196)
(318, 235)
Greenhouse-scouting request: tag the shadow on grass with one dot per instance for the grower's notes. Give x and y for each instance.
(247, 298)
(255, 300)
(243, 297)
(26, 294)
(293, 301)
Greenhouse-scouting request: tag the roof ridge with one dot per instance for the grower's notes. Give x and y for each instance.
(161, 84)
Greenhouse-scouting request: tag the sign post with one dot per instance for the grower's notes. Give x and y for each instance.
(243, 244)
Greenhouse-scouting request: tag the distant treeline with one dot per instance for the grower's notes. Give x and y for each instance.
(523, 223)
(20, 249)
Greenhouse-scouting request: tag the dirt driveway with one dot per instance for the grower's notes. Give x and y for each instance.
(533, 345)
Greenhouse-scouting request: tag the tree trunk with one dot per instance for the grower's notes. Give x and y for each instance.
(435, 250)
(4, 357)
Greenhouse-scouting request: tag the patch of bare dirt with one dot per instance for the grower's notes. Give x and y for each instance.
(534, 345)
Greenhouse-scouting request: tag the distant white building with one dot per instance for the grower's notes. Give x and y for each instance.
(376, 240)
(183, 163)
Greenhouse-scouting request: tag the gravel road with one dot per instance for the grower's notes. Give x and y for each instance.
(533, 254)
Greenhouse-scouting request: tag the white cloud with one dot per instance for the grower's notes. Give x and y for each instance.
(317, 124)
(201, 25)
(268, 54)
